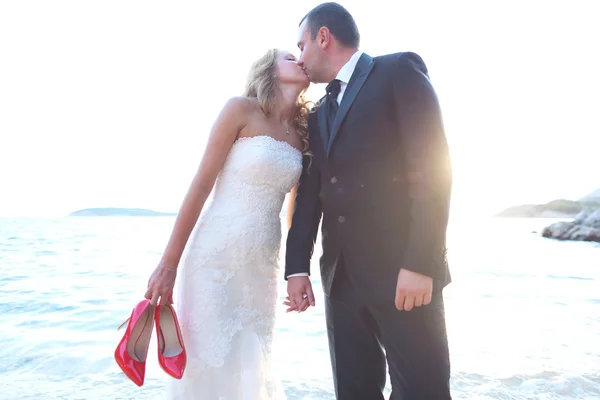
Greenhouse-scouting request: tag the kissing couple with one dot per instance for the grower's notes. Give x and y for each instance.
(370, 163)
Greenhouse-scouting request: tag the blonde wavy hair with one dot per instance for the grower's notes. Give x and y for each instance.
(262, 85)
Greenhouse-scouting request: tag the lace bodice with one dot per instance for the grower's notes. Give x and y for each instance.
(257, 174)
(263, 161)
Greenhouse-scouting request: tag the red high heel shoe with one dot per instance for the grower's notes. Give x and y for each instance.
(171, 350)
(132, 351)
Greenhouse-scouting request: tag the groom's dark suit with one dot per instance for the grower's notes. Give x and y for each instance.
(380, 177)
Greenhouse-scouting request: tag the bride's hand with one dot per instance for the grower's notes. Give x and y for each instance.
(160, 285)
(288, 304)
(293, 307)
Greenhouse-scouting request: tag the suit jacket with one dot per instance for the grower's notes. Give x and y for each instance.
(380, 180)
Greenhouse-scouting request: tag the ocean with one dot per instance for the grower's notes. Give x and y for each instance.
(523, 312)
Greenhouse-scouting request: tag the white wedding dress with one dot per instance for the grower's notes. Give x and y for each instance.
(226, 292)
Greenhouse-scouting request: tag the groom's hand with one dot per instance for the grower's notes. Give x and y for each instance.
(413, 289)
(300, 293)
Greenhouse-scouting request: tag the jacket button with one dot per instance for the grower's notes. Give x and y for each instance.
(333, 180)
(341, 219)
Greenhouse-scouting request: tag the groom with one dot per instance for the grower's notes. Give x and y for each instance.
(380, 178)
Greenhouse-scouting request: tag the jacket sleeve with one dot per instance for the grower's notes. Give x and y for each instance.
(427, 165)
(305, 221)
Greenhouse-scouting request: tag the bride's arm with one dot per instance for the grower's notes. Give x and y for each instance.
(225, 130)
(291, 204)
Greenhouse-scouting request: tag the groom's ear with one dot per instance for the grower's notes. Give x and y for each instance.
(324, 37)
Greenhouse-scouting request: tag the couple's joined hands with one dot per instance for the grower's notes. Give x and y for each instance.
(300, 294)
(412, 290)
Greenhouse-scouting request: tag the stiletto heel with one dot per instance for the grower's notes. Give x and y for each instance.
(132, 351)
(171, 350)
(123, 324)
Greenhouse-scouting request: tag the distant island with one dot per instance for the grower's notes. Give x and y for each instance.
(118, 212)
(554, 209)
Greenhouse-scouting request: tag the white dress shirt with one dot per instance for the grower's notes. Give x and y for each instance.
(344, 75)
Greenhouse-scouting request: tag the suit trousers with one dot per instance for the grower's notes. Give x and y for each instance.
(363, 336)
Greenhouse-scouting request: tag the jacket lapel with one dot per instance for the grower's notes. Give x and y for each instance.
(361, 72)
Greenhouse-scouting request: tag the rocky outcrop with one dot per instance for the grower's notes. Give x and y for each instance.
(584, 227)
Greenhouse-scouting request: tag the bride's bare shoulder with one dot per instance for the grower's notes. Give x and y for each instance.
(239, 104)
(236, 112)
(242, 108)
(241, 116)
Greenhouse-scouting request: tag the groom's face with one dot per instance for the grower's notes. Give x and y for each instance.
(312, 56)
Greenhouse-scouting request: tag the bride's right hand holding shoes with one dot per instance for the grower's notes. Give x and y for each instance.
(160, 285)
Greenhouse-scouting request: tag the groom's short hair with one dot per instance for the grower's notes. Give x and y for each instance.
(337, 19)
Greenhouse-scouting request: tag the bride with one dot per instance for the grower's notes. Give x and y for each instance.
(227, 278)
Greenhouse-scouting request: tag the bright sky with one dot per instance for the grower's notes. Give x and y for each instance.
(109, 103)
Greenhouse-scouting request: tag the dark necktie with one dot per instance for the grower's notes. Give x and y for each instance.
(333, 90)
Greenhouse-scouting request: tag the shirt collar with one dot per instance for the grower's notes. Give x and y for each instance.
(347, 70)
